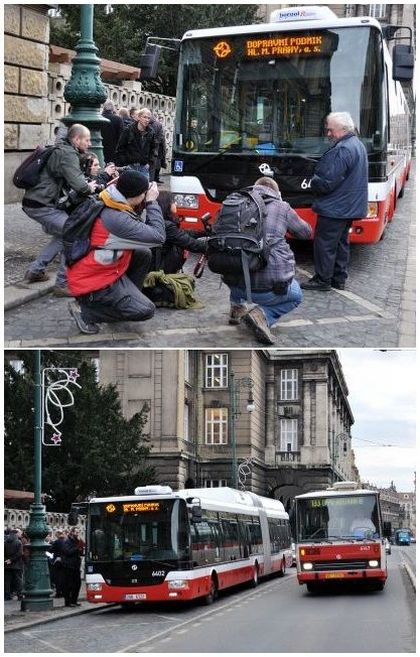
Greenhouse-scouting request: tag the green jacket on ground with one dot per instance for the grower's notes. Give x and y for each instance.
(61, 171)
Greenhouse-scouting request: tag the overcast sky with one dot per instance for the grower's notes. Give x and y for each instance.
(382, 396)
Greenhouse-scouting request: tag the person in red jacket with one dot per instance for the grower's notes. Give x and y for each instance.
(107, 282)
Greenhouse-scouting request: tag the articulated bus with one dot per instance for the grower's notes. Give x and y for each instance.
(253, 100)
(340, 537)
(160, 545)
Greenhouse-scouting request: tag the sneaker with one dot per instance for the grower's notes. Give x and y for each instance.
(316, 283)
(61, 291)
(257, 322)
(237, 311)
(84, 327)
(36, 277)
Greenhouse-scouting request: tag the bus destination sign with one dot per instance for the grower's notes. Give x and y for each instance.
(135, 507)
(285, 46)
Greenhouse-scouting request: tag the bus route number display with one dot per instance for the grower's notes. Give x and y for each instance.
(284, 46)
(339, 501)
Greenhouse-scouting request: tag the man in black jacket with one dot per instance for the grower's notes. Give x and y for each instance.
(138, 146)
(13, 565)
(111, 132)
(72, 551)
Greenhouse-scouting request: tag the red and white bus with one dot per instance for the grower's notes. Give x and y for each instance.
(163, 545)
(339, 537)
(254, 98)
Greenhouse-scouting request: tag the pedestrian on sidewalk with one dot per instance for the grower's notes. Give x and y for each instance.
(13, 565)
(340, 187)
(111, 131)
(62, 171)
(275, 290)
(156, 124)
(72, 552)
(138, 145)
(107, 282)
(56, 548)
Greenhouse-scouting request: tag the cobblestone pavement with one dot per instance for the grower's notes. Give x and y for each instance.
(377, 309)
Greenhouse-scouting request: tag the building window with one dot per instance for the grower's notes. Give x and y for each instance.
(215, 483)
(217, 370)
(97, 365)
(288, 435)
(187, 366)
(186, 422)
(377, 11)
(288, 385)
(216, 426)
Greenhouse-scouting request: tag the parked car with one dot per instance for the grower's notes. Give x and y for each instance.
(387, 546)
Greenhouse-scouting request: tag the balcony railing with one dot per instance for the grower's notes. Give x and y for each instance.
(288, 457)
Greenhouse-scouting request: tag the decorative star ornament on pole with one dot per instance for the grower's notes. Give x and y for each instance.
(56, 397)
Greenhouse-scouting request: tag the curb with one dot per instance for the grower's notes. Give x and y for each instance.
(410, 574)
(18, 294)
(41, 621)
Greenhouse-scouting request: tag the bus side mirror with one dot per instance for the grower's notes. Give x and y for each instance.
(387, 529)
(149, 62)
(402, 62)
(196, 514)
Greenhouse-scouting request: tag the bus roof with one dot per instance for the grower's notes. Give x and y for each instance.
(222, 498)
(336, 493)
(261, 28)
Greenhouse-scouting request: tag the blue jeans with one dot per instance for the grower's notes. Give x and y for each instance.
(274, 305)
(52, 221)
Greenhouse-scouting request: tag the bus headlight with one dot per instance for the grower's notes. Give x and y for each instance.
(373, 563)
(94, 587)
(307, 566)
(186, 201)
(178, 584)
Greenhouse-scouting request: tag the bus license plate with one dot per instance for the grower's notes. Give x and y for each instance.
(135, 596)
(333, 576)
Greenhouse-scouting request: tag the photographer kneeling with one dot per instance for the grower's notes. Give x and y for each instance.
(107, 281)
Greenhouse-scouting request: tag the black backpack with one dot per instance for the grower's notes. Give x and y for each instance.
(28, 172)
(77, 229)
(237, 245)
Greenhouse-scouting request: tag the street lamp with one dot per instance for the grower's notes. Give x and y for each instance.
(234, 387)
(335, 444)
(37, 591)
(85, 91)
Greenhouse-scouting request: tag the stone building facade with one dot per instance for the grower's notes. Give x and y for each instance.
(297, 438)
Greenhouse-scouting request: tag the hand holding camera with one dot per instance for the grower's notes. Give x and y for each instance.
(152, 193)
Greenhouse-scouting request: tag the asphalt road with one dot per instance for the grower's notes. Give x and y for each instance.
(277, 617)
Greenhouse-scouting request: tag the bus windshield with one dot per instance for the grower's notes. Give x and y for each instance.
(270, 93)
(342, 517)
(136, 531)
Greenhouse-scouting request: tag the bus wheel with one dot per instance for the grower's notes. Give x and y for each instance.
(255, 576)
(212, 594)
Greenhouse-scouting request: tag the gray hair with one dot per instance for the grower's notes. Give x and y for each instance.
(343, 120)
(109, 105)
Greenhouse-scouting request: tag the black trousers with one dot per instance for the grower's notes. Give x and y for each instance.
(71, 583)
(13, 582)
(123, 300)
(332, 249)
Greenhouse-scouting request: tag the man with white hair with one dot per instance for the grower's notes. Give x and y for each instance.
(340, 188)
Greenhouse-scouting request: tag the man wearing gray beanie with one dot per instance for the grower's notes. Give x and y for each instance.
(107, 282)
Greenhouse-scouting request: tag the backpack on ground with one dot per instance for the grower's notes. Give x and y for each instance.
(77, 229)
(28, 173)
(237, 245)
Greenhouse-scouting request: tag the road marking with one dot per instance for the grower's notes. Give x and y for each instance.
(47, 643)
(204, 616)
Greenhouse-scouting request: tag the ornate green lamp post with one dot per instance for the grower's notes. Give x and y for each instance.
(37, 592)
(85, 91)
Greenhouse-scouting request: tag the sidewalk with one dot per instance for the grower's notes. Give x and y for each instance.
(15, 619)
